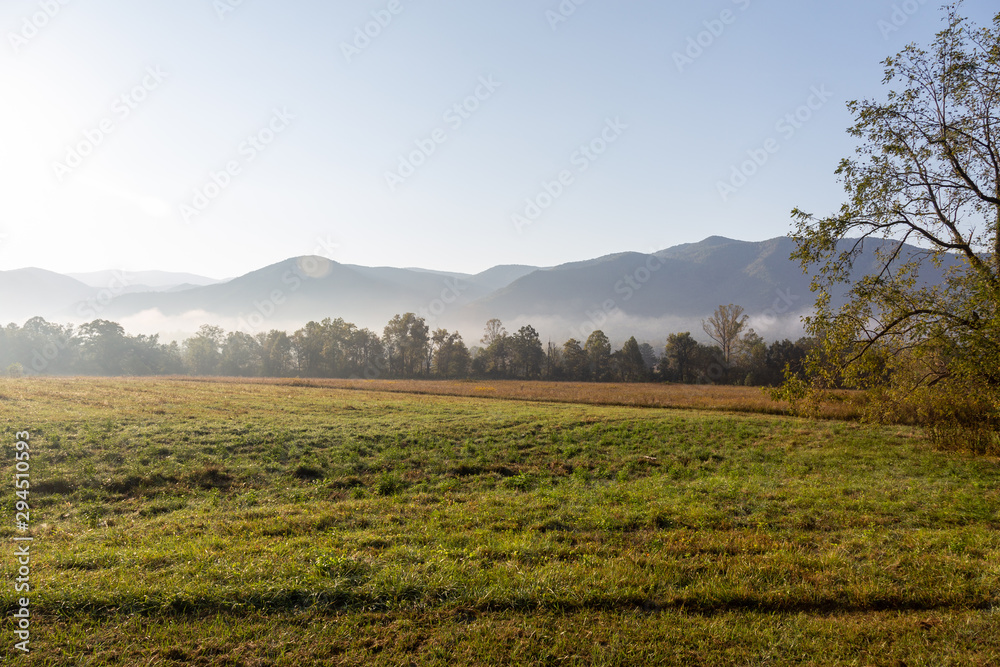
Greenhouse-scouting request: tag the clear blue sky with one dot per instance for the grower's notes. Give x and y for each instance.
(198, 80)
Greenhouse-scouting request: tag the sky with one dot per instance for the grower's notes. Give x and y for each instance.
(220, 136)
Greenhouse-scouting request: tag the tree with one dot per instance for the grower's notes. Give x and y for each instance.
(631, 364)
(598, 349)
(553, 369)
(202, 353)
(171, 359)
(527, 354)
(926, 172)
(785, 357)
(648, 356)
(495, 356)
(678, 363)
(493, 332)
(144, 355)
(365, 354)
(336, 337)
(724, 327)
(45, 348)
(9, 336)
(311, 350)
(275, 352)
(575, 364)
(242, 355)
(407, 343)
(104, 346)
(451, 356)
(750, 360)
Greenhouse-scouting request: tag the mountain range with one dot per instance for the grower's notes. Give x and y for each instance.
(646, 295)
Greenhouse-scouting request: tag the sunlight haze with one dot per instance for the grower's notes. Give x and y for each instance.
(217, 137)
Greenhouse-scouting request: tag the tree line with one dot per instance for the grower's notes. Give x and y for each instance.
(407, 348)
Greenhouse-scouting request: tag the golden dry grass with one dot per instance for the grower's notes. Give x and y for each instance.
(838, 405)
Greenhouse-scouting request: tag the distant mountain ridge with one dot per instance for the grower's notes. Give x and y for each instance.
(628, 293)
(153, 280)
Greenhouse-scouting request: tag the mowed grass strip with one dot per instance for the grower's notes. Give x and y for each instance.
(166, 504)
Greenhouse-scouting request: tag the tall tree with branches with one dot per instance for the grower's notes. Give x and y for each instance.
(924, 191)
(725, 327)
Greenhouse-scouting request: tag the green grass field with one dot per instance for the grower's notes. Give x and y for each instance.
(207, 523)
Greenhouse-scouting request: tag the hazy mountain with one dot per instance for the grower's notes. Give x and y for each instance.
(427, 284)
(682, 280)
(443, 274)
(288, 294)
(175, 288)
(142, 280)
(491, 279)
(26, 293)
(648, 295)
(501, 276)
(654, 294)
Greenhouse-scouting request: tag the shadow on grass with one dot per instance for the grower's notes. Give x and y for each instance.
(343, 601)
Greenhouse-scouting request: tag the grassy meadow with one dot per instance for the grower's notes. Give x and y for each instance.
(185, 522)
